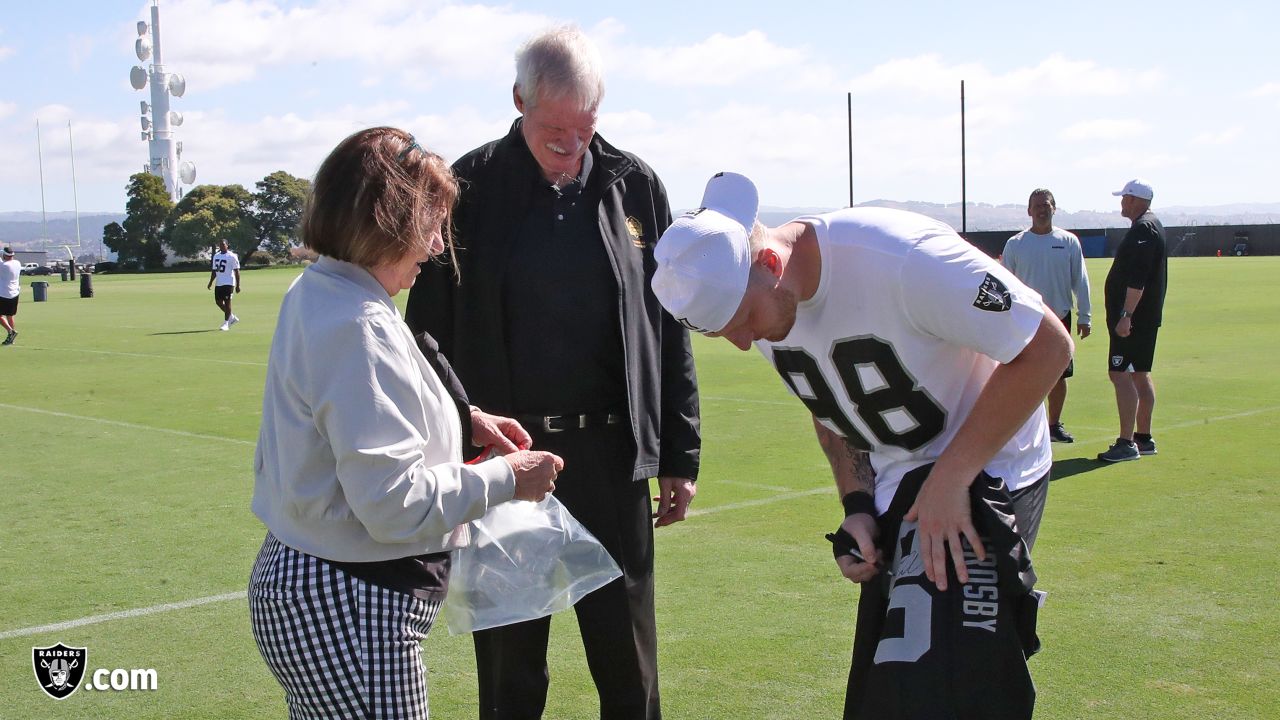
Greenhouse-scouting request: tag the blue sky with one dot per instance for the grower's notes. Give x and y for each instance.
(1077, 97)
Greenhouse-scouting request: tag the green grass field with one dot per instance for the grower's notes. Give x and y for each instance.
(129, 427)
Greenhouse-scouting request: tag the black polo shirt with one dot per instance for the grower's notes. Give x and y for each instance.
(1140, 263)
(560, 302)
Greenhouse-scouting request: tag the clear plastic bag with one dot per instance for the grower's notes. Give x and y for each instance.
(521, 561)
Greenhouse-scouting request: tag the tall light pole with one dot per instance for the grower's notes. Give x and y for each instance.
(157, 119)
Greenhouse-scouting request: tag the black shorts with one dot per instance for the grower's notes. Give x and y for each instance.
(223, 292)
(922, 654)
(8, 306)
(1135, 353)
(1071, 363)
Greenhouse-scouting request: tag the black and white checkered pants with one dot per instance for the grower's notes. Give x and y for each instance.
(341, 647)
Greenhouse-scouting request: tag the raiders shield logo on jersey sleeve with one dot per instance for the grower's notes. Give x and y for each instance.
(993, 296)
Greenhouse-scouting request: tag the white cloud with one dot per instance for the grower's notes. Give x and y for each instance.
(1054, 77)
(1270, 89)
(7, 109)
(1221, 137)
(1104, 129)
(723, 60)
(6, 51)
(221, 43)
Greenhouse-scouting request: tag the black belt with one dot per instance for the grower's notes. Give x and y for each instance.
(560, 423)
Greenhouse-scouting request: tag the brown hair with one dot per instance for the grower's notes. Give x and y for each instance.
(378, 197)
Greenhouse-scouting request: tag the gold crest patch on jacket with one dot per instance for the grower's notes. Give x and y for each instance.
(636, 230)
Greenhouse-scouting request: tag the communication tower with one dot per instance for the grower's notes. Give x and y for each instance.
(157, 119)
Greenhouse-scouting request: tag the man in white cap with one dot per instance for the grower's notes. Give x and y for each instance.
(10, 290)
(925, 364)
(1135, 302)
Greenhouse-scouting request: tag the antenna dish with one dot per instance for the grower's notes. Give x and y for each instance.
(175, 118)
(142, 47)
(177, 85)
(137, 78)
(143, 27)
(187, 171)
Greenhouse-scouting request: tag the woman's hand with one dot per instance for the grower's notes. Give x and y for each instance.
(535, 472)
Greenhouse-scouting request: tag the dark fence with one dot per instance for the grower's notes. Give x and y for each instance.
(1182, 241)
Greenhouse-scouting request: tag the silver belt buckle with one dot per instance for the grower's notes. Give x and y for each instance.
(546, 424)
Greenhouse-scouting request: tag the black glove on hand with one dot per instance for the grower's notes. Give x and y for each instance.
(842, 543)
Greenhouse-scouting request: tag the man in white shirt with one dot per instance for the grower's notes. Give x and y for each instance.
(226, 271)
(925, 364)
(10, 289)
(1050, 261)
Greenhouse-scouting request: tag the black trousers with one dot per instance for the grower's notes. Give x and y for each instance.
(619, 631)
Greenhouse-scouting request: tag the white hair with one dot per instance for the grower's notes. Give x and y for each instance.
(560, 63)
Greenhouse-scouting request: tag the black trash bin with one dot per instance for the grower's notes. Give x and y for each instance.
(40, 289)
(86, 285)
(64, 275)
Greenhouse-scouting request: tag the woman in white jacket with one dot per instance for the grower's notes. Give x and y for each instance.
(358, 471)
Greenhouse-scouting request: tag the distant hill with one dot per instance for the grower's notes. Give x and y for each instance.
(24, 231)
(982, 216)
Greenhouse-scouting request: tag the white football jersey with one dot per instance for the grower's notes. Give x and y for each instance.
(907, 324)
(225, 264)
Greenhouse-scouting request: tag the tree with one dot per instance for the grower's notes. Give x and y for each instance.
(113, 237)
(208, 214)
(145, 213)
(279, 203)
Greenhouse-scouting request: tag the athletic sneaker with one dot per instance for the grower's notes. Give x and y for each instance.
(1146, 447)
(233, 321)
(1057, 433)
(223, 327)
(8, 340)
(1121, 451)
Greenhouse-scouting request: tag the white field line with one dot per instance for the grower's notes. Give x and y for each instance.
(787, 403)
(1161, 429)
(131, 426)
(240, 594)
(93, 619)
(136, 612)
(184, 358)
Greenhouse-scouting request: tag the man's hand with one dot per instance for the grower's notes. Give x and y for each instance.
(942, 512)
(674, 496)
(1124, 326)
(503, 433)
(863, 528)
(1083, 329)
(237, 288)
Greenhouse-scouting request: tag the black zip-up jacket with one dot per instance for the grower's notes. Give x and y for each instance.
(466, 315)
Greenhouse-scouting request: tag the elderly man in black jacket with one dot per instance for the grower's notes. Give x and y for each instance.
(552, 321)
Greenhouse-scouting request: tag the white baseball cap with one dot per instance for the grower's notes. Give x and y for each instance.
(1138, 188)
(704, 258)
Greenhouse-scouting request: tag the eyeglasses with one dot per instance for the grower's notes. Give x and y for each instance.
(413, 143)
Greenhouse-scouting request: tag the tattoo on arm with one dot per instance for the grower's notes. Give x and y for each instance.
(850, 466)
